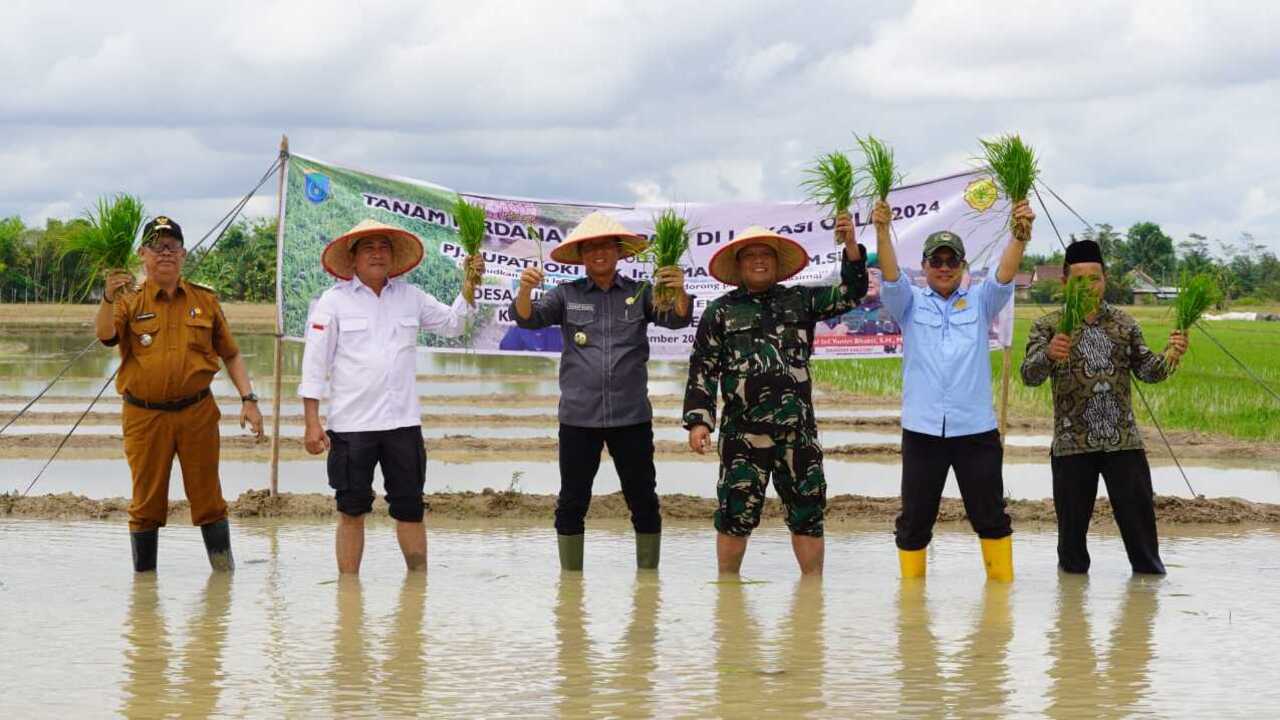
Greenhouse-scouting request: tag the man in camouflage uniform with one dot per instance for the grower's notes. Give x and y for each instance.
(755, 343)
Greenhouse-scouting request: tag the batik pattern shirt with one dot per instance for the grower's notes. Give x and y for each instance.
(1092, 405)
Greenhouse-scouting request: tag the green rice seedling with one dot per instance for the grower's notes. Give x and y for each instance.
(667, 246)
(107, 242)
(536, 236)
(830, 182)
(471, 231)
(1012, 165)
(1078, 302)
(878, 174)
(1198, 293)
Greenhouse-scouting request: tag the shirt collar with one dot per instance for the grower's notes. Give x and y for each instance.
(153, 290)
(356, 285)
(959, 293)
(618, 280)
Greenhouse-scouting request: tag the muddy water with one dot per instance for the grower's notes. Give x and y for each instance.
(110, 478)
(494, 630)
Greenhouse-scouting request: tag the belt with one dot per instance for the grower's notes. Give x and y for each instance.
(168, 405)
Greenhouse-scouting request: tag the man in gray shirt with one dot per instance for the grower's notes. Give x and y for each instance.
(604, 396)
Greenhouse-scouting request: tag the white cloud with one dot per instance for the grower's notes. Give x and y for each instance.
(1140, 111)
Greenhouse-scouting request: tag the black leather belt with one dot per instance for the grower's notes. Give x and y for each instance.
(168, 405)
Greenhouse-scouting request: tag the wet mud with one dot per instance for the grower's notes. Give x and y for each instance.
(461, 448)
(492, 504)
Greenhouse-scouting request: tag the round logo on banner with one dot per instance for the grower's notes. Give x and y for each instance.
(981, 194)
(317, 187)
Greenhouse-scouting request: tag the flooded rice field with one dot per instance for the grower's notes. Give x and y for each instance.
(493, 629)
(1023, 481)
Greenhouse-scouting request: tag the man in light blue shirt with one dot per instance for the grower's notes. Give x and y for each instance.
(948, 420)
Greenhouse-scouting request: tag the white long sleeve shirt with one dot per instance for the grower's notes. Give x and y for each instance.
(360, 352)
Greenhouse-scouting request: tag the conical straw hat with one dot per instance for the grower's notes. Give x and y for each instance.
(594, 226)
(792, 257)
(406, 249)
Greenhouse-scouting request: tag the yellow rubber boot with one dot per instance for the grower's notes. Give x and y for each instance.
(912, 562)
(997, 555)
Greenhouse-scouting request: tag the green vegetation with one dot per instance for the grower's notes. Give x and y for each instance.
(667, 247)
(106, 241)
(242, 265)
(879, 173)
(830, 183)
(1078, 303)
(1209, 392)
(1012, 164)
(1196, 294)
(471, 231)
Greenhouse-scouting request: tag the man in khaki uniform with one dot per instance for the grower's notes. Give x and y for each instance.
(171, 334)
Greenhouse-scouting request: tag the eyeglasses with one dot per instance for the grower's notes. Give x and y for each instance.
(952, 262)
(165, 248)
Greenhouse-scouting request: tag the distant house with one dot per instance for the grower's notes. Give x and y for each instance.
(1147, 292)
(1047, 272)
(1022, 285)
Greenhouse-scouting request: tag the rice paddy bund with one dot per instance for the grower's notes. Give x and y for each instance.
(1208, 393)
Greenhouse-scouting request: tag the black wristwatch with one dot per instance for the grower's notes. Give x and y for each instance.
(251, 397)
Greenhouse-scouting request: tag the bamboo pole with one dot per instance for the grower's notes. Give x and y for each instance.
(278, 371)
(1004, 391)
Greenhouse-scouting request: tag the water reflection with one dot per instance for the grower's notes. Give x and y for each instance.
(802, 668)
(350, 666)
(147, 650)
(405, 669)
(202, 674)
(635, 675)
(975, 679)
(1084, 685)
(738, 664)
(573, 649)
(148, 688)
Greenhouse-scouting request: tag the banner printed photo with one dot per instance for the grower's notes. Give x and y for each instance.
(323, 200)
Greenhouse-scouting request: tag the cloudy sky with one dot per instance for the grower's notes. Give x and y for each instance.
(1163, 111)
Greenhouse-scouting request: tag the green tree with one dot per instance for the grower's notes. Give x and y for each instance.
(242, 265)
(1151, 250)
(1195, 257)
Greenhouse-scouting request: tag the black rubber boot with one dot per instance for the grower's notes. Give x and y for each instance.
(144, 549)
(217, 542)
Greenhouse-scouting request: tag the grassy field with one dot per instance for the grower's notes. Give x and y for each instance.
(1209, 392)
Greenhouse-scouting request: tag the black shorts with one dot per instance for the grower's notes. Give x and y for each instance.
(403, 457)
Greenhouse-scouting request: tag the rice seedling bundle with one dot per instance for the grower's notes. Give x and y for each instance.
(878, 173)
(667, 246)
(1198, 293)
(830, 183)
(106, 243)
(471, 231)
(1078, 303)
(1012, 165)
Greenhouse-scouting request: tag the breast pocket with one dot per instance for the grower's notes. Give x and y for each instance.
(407, 332)
(964, 324)
(353, 329)
(145, 337)
(200, 334)
(578, 322)
(927, 322)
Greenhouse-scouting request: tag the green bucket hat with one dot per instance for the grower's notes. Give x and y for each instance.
(944, 239)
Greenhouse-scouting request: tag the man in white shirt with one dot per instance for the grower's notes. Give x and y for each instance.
(362, 336)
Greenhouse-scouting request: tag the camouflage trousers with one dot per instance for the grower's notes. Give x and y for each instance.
(794, 459)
